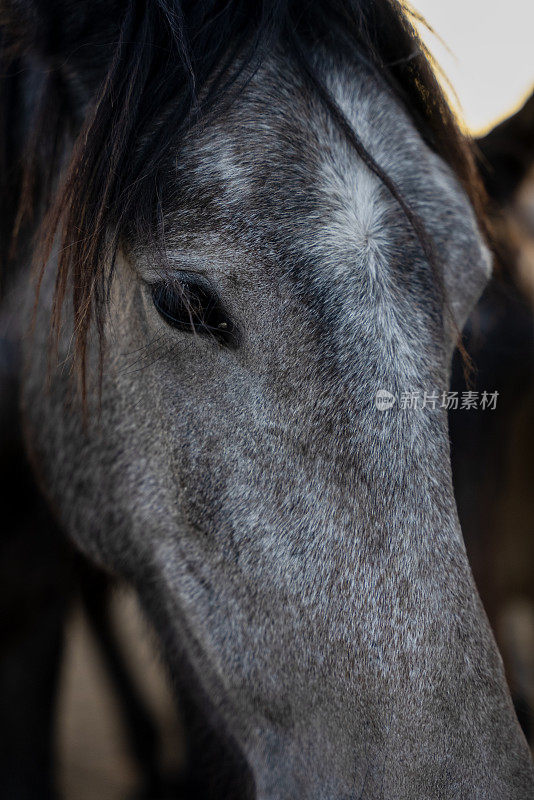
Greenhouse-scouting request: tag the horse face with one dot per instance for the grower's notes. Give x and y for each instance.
(290, 528)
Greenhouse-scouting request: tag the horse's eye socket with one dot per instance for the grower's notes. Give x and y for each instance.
(192, 307)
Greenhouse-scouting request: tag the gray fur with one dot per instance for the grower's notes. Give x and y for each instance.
(301, 547)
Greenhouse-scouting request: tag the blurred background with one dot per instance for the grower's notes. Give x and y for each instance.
(486, 51)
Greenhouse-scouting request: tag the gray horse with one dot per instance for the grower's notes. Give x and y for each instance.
(257, 242)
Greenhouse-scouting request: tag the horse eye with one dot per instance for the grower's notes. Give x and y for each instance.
(189, 306)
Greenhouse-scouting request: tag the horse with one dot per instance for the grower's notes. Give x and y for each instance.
(492, 450)
(255, 230)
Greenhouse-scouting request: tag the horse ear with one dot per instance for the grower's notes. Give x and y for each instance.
(74, 37)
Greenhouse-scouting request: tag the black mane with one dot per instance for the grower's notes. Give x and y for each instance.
(128, 77)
